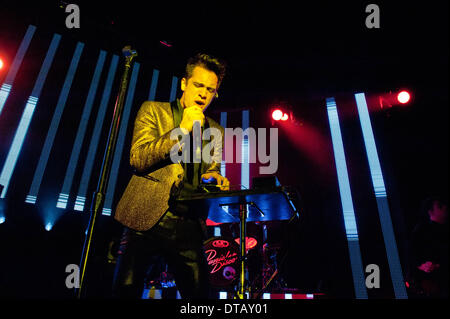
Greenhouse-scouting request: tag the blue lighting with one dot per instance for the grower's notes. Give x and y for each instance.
(2, 219)
(48, 226)
(120, 142)
(79, 203)
(153, 85)
(173, 90)
(30, 199)
(106, 211)
(245, 166)
(346, 201)
(95, 140)
(16, 146)
(371, 149)
(62, 200)
(17, 62)
(381, 197)
(4, 92)
(341, 167)
(76, 150)
(223, 123)
(42, 164)
(19, 137)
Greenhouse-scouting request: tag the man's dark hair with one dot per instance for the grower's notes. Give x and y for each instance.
(208, 62)
(428, 204)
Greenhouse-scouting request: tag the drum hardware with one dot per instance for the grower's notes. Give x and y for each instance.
(250, 205)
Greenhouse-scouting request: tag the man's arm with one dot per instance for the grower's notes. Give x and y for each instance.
(147, 147)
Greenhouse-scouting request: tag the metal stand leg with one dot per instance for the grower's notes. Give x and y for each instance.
(242, 243)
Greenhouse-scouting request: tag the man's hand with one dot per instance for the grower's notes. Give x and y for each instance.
(428, 266)
(221, 181)
(191, 114)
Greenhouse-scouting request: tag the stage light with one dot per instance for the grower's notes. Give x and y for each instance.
(391, 99)
(277, 115)
(2, 219)
(381, 197)
(246, 147)
(348, 211)
(223, 295)
(89, 161)
(61, 104)
(1, 64)
(73, 162)
(27, 115)
(281, 113)
(403, 97)
(48, 226)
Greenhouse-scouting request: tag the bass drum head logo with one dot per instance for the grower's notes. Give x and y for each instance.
(222, 257)
(220, 243)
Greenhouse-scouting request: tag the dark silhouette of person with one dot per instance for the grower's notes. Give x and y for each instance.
(429, 273)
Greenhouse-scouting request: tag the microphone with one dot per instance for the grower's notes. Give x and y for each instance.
(126, 51)
(197, 143)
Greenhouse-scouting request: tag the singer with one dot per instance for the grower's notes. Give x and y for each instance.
(153, 225)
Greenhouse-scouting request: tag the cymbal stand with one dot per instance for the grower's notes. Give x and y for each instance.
(243, 214)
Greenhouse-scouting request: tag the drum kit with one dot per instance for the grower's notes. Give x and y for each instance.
(227, 257)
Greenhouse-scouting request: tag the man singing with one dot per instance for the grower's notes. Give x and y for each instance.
(154, 225)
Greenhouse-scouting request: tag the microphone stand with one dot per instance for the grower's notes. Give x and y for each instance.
(99, 194)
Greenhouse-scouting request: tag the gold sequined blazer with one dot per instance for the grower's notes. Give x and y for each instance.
(146, 197)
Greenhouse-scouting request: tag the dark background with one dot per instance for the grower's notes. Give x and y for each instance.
(297, 55)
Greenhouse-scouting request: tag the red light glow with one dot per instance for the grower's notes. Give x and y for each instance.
(250, 242)
(1, 64)
(284, 117)
(403, 97)
(277, 115)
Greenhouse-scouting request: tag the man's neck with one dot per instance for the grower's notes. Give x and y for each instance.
(182, 102)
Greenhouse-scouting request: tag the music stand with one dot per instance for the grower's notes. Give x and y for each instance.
(242, 206)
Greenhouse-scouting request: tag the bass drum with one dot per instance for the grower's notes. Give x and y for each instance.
(222, 256)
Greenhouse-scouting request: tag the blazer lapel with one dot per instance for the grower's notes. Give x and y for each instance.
(176, 112)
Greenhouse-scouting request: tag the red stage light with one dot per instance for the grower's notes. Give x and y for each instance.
(209, 222)
(250, 242)
(277, 115)
(284, 117)
(1, 64)
(403, 97)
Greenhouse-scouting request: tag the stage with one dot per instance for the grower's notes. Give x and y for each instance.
(346, 105)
